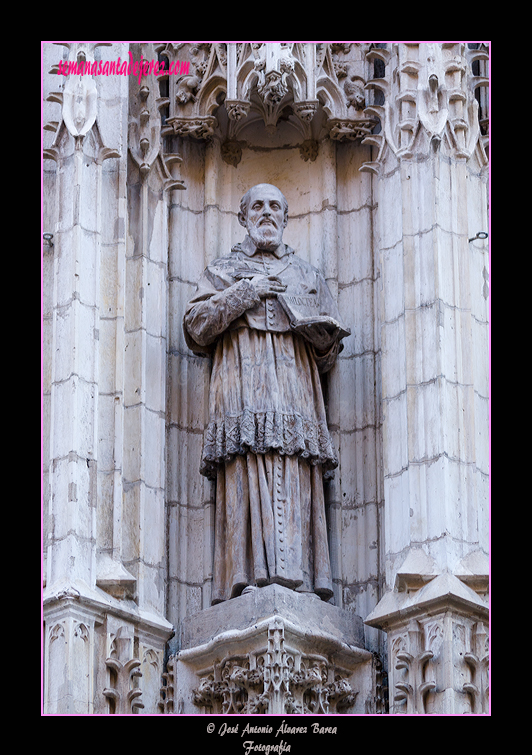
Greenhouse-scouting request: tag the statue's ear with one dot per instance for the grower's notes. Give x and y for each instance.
(242, 219)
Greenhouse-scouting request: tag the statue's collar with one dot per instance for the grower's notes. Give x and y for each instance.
(249, 247)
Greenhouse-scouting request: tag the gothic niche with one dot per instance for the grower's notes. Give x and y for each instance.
(316, 89)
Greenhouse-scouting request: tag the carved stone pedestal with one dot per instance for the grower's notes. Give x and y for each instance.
(271, 651)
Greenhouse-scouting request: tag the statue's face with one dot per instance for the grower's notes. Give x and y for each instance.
(265, 219)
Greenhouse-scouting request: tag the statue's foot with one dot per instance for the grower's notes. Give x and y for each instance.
(249, 588)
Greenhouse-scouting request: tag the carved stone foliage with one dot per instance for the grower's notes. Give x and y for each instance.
(437, 655)
(478, 663)
(277, 679)
(270, 80)
(123, 692)
(144, 131)
(415, 686)
(428, 95)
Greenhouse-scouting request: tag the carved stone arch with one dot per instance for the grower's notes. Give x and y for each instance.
(151, 657)
(248, 78)
(245, 61)
(298, 82)
(209, 95)
(328, 91)
(58, 630)
(81, 631)
(330, 97)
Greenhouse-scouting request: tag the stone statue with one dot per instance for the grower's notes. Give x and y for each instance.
(270, 324)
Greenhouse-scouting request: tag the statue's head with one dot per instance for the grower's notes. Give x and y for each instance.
(264, 214)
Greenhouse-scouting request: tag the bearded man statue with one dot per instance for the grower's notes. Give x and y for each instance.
(268, 321)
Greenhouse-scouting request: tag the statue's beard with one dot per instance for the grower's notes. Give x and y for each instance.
(266, 236)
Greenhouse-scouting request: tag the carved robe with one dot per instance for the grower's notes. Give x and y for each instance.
(267, 444)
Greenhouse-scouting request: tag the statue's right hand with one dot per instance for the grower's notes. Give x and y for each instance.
(268, 286)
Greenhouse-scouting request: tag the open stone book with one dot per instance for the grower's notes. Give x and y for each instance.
(304, 315)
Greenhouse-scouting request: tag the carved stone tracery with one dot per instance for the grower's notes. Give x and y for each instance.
(427, 96)
(429, 103)
(276, 679)
(423, 95)
(414, 688)
(478, 662)
(123, 692)
(271, 81)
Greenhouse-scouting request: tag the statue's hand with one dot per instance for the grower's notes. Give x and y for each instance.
(322, 335)
(267, 287)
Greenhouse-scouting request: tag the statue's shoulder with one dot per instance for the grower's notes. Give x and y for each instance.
(236, 249)
(222, 264)
(298, 261)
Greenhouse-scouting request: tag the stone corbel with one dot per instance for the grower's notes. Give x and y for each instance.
(280, 680)
(286, 653)
(237, 109)
(306, 109)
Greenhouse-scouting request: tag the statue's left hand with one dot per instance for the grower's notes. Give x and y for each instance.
(321, 335)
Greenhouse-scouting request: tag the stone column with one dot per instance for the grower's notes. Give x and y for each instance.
(430, 185)
(104, 600)
(71, 547)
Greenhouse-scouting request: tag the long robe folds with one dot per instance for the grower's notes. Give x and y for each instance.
(267, 444)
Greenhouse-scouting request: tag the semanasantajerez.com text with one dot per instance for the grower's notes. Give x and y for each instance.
(120, 67)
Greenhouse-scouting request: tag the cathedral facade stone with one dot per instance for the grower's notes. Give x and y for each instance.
(381, 151)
